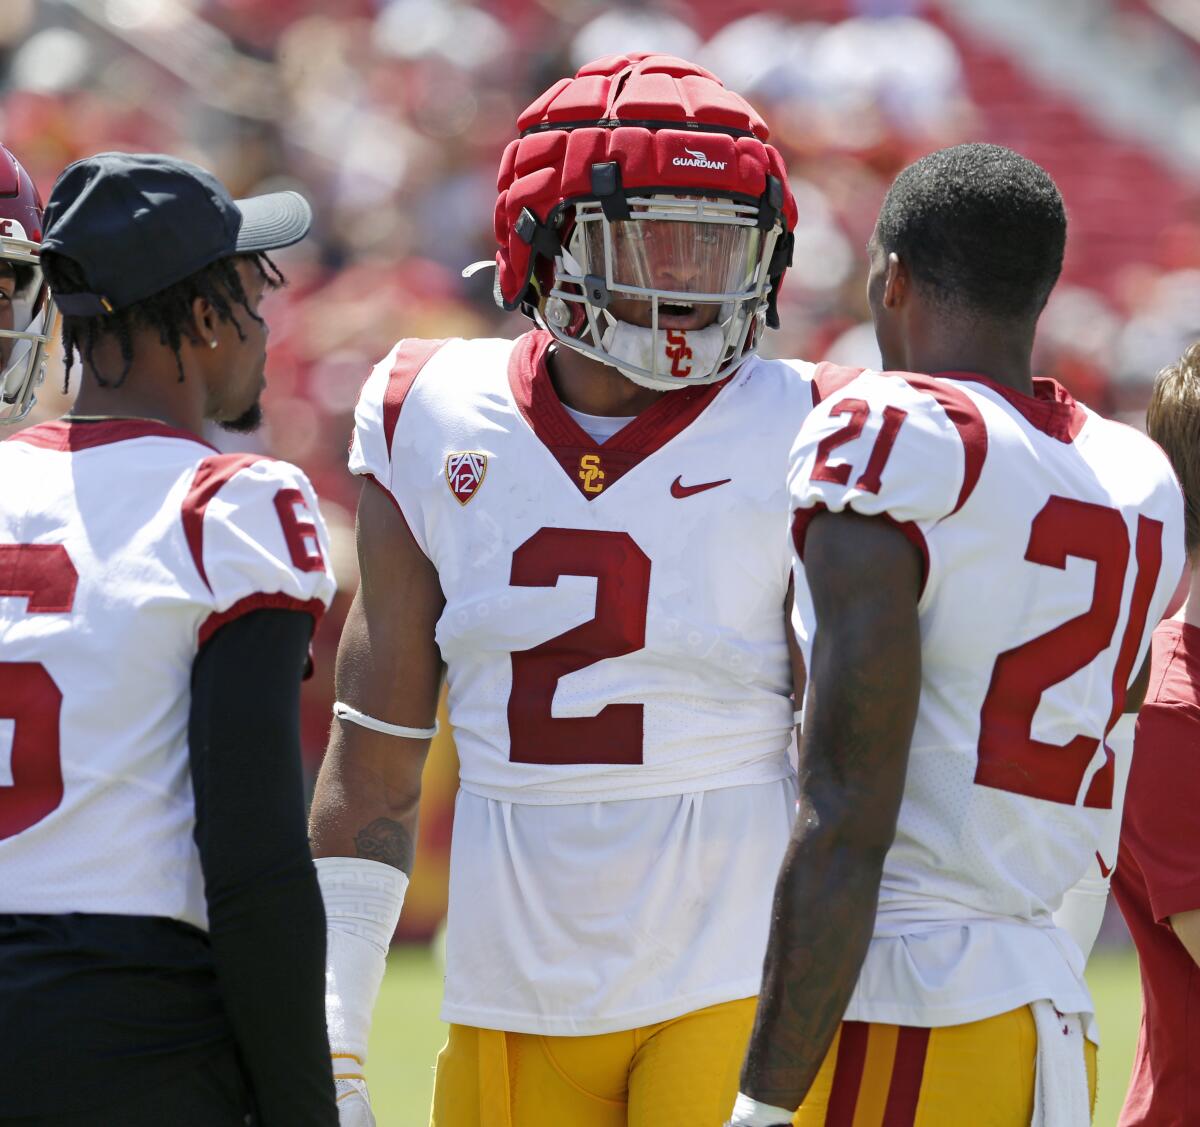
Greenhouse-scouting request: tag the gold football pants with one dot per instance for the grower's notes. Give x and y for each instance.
(684, 1073)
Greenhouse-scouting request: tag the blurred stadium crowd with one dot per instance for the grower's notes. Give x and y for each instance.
(390, 115)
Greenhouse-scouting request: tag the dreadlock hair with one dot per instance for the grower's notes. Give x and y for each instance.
(980, 227)
(168, 312)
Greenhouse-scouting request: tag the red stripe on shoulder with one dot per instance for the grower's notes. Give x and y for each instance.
(211, 474)
(967, 421)
(828, 378)
(1051, 408)
(908, 1070)
(411, 356)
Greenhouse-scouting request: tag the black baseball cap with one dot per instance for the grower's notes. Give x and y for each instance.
(137, 223)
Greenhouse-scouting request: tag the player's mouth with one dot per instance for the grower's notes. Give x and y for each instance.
(683, 315)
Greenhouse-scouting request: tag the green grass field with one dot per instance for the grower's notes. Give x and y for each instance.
(407, 1035)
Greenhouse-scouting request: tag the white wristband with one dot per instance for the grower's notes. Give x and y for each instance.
(362, 906)
(748, 1112)
(344, 712)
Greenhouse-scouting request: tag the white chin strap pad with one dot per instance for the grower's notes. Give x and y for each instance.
(362, 906)
(637, 351)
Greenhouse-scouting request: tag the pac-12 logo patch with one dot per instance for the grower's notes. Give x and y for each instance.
(465, 470)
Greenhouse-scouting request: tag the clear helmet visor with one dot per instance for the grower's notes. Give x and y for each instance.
(716, 260)
(27, 322)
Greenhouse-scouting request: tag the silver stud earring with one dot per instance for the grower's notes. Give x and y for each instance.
(212, 344)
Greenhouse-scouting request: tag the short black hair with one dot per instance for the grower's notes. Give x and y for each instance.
(980, 228)
(168, 311)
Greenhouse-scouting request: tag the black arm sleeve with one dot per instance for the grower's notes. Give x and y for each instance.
(266, 919)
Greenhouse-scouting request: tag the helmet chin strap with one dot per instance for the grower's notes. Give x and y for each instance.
(676, 362)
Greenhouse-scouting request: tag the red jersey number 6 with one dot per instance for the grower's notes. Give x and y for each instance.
(44, 575)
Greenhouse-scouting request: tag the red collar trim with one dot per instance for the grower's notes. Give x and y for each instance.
(570, 444)
(1051, 408)
(63, 435)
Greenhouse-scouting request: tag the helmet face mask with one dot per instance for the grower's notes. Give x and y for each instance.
(28, 318)
(27, 324)
(689, 273)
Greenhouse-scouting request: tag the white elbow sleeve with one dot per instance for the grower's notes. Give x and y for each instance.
(362, 906)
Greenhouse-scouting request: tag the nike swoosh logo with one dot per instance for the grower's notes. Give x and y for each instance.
(1105, 871)
(679, 490)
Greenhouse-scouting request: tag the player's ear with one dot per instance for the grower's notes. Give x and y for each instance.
(897, 282)
(201, 326)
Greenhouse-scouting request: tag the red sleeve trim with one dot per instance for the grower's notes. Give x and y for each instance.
(828, 378)
(409, 358)
(211, 474)
(804, 517)
(261, 601)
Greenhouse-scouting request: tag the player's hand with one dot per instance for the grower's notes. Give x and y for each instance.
(353, 1103)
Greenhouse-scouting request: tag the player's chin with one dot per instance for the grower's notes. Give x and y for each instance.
(245, 423)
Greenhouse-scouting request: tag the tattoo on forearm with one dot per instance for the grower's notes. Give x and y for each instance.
(388, 841)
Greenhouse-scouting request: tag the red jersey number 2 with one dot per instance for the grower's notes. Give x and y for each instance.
(1010, 758)
(622, 573)
(31, 702)
(871, 479)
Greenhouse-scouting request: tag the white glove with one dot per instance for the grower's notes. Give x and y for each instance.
(353, 1102)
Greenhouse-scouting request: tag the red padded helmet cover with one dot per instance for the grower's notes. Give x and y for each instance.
(668, 124)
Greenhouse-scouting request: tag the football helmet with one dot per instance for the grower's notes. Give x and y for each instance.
(644, 220)
(27, 315)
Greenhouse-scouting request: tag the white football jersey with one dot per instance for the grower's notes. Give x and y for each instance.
(614, 632)
(124, 544)
(1051, 540)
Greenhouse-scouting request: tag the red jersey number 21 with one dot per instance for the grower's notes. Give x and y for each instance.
(31, 702)
(1010, 758)
(871, 479)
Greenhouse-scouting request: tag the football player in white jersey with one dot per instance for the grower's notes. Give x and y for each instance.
(980, 563)
(587, 528)
(161, 927)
